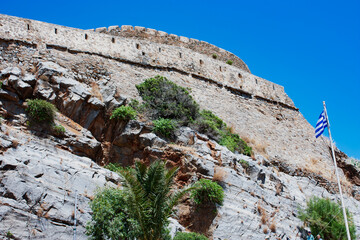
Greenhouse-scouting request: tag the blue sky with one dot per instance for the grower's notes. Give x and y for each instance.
(312, 48)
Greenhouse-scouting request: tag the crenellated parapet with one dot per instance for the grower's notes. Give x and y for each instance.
(129, 45)
(174, 40)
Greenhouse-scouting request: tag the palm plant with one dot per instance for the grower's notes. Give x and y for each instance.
(150, 199)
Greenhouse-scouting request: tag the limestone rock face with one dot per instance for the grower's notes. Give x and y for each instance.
(39, 182)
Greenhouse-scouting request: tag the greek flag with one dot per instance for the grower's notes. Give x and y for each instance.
(321, 125)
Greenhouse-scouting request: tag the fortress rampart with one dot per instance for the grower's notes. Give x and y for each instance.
(174, 40)
(132, 46)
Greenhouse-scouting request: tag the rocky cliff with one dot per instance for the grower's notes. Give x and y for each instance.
(87, 74)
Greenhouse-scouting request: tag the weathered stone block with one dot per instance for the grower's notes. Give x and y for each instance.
(101, 30)
(126, 28)
(162, 34)
(115, 28)
(139, 29)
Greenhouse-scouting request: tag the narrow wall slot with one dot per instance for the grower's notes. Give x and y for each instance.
(55, 30)
(137, 46)
(113, 40)
(239, 75)
(181, 56)
(28, 27)
(86, 36)
(201, 62)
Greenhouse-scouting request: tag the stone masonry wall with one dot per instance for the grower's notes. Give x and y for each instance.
(146, 53)
(172, 39)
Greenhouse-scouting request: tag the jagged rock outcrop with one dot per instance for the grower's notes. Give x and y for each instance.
(40, 171)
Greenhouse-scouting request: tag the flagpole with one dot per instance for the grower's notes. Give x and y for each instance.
(337, 175)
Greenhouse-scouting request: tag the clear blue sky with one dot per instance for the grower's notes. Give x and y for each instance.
(312, 48)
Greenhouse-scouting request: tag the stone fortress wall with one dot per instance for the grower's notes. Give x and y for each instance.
(172, 39)
(147, 48)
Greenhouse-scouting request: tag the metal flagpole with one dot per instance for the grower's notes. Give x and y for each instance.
(337, 174)
(75, 215)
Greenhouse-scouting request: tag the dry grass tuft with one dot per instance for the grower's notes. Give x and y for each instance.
(262, 212)
(266, 230)
(15, 143)
(300, 188)
(44, 78)
(219, 174)
(273, 226)
(95, 91)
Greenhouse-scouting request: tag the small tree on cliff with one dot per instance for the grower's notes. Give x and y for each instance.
(325, 217)
(147, 201)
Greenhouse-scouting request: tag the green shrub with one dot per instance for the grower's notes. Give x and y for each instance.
(230, 62)
(206, 191)
(210, 124)
(115, 167)
(244, 163)
(110, 218)
(1, 83)
(59, 130)
(124, 113)
(167, 100)
(164, 127)
(214, 56)
(189, 236)
(234, 143)
(326, 216)
(41, 110)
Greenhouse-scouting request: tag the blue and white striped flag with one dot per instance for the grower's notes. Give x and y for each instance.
(321, 125)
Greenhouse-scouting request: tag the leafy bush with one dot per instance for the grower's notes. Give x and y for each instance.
(115, 167)
(205, 191)
(234, 143)
(164, 127)
(59, 130)
(111, 218)
(141, 210)
(326, 216)
(189, 236)
(210, 124)
(41, 110)
(230, 62)
(1, 83)
(168, 100)
(214, 56)
(124, 113)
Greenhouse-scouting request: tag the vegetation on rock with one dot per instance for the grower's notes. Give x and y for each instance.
(167, 101)
(146, 202)
(230, 62)
(214, 56)
(111, 218)
(206, 191)
(124, 113)
(244, 163)
(58, 130)
(210, 124)
(325, 217)
(164, 127)
(41, 111)
(189, 236)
